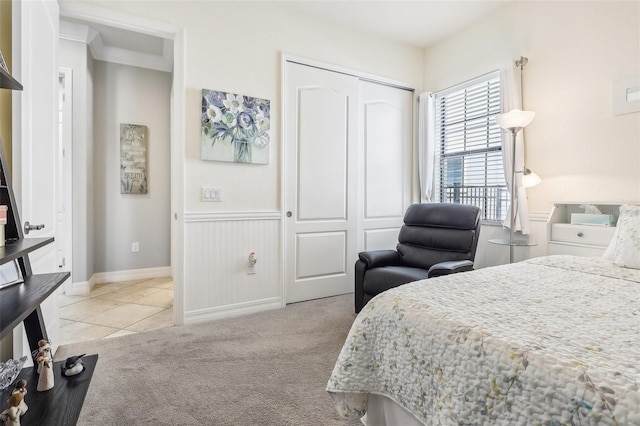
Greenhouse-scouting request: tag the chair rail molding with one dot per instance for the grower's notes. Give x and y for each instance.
(226, 216)
(538, 216)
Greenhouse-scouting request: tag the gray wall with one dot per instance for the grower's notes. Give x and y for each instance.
(125, 94)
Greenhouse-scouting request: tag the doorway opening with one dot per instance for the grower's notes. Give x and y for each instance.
(122, 276)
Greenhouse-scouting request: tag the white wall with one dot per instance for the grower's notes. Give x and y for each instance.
(125, 94)
(75, 55)
(576, 51)
(237, 47)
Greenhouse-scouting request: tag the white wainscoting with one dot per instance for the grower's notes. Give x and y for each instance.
(489, 254)
(538, 225)
(217, 248)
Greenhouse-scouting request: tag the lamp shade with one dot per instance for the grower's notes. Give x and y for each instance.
(530, 179)
(515, 119)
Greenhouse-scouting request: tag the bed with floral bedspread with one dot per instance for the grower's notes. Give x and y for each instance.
(548, 341)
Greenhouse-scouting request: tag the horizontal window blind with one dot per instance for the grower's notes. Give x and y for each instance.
(469, 147)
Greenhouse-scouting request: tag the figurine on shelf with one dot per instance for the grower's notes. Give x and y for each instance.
(72, 365)
(21, 388)
(44, 346)
(11, 416)
(45, 369)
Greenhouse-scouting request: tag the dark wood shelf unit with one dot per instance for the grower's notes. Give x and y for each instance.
(8, 82)
(21, 303)
(60, 405)
(20, 300)
(17, 249)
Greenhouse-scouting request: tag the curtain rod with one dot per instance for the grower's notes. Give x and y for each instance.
(520, 62)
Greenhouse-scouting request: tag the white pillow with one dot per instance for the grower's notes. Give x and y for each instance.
(627, 238)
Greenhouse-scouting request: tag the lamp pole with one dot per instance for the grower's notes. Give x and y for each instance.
(514, 191)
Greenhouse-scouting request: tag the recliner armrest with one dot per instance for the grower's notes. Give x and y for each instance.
(378, 258)
(450, 267)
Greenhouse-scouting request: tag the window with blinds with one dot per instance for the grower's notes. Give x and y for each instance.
(469, 147)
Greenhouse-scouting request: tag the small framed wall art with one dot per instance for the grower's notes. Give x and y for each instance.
(235, 127)
(133, 159)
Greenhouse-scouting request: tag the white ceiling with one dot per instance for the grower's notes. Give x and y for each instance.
(418, 23)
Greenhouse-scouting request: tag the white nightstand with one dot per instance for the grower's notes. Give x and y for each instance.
(578, 240)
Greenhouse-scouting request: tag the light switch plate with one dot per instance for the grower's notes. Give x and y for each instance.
(211, 194)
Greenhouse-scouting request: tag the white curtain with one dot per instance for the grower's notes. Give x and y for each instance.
(426, 145)
(512, 99)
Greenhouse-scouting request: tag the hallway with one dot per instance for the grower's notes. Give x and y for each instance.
(116, 309)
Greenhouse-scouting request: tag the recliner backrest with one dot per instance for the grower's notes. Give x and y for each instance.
(438, 232)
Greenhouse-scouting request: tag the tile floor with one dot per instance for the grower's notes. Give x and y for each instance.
(116, 309)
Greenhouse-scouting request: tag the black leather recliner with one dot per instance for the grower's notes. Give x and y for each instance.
(436, 239)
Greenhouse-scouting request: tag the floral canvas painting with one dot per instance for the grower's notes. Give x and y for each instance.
(235, 128)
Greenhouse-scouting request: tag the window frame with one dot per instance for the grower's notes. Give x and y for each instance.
(493, 207)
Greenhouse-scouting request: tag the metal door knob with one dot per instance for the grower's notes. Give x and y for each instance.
(29, 227)
(289, 214)
(580, 234)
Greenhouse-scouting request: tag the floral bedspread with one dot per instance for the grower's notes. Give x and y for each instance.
(549, 341)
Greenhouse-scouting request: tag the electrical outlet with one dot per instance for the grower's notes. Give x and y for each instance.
(135, 247)
(251, 263)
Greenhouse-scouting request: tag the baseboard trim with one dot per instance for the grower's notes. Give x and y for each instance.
(133, 274)
(80, 288)
(233, 310)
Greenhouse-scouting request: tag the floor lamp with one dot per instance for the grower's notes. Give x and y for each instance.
(514, 121)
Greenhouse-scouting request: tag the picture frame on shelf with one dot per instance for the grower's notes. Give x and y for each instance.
(3, 64)
(10, 274)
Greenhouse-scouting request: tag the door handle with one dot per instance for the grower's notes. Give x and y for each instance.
(29, 227)
(289, 214)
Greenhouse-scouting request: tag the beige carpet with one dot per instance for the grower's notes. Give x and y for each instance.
(269, 368)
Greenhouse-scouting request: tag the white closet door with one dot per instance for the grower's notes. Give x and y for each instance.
(347, 175)
(320, 182)
(386, 146)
